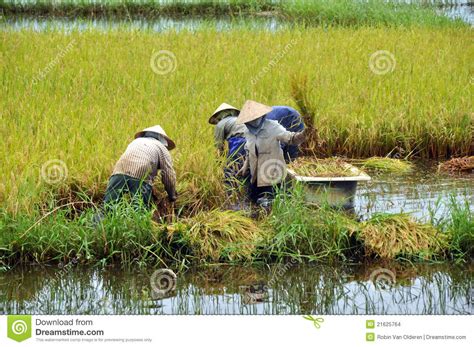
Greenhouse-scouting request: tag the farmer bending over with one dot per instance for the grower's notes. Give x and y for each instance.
(263, 147)
(137, 168)
(224, 118)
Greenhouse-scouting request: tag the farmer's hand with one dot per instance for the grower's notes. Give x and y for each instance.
(240, 173)
(173, 198)
(244, 169)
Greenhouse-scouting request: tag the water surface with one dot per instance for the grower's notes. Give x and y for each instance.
(276, 289)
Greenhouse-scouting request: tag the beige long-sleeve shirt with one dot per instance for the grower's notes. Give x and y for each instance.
(265, 156)
(143, 158)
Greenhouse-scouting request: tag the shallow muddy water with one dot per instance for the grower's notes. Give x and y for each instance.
(421, 194)
(155, 25)
(279, 289)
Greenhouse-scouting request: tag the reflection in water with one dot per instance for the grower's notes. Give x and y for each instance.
(154, 25)
(463, 10)
(318, 289)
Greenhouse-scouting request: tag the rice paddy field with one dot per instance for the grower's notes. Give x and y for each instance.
(386, 87)
(99, 89)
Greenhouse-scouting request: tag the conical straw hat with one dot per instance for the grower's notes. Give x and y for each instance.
(252, 110)
(217, 115)
(159, 130)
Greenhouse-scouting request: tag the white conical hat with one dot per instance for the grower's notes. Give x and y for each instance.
(159, 130)
(217, 115)
(252, 110)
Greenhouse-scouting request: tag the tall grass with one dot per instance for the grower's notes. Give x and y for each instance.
(127, 235)
(459, 225)
(95, 96)
(334, 12)
(305, 233)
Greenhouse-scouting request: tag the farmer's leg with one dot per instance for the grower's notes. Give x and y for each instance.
(235, 161)
(254, 192)
(269, 192)
(146, 192)
(116, 187)
(140, 192)
(266, 192)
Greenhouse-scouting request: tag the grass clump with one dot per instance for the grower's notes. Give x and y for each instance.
(329, 167)
(293, 230)
(387, 165)
(461, 229)
(304, 233)
(216, 236)
(124, 235)
(458, 223)
(390, 236)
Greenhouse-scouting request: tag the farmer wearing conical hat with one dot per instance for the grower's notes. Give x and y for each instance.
(138, 166)
(265, 161)
(224, 118)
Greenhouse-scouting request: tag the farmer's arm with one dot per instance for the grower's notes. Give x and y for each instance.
(289, 137)
(219, 137)
(246, 165)
(168, 175)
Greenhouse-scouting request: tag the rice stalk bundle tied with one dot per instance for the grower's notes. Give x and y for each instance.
(385, 164)
(329, 167)
(217, 235)
(464, 164)
(389, 236)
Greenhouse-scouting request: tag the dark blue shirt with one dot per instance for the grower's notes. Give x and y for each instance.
(291, 120)
(288, 117)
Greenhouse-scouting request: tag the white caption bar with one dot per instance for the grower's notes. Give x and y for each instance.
(236, 330)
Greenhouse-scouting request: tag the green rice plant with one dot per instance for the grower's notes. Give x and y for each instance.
(216, 236)
(127, 235)
(387, 165)
(304, 233)
(458, 224)
(389, 236)
(124, 235)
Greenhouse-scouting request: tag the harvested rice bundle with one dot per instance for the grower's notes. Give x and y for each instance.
(217, 235)
(330, 167)
(385, 164)
(464, 164)
(389, 236)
